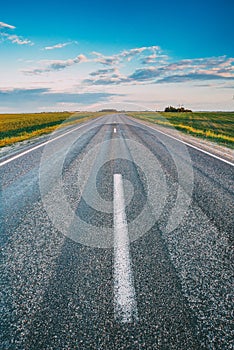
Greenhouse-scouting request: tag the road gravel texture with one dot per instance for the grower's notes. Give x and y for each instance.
(57, 241)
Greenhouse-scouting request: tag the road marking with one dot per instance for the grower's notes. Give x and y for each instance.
(39, 146)
(188, 144)
(114, 130)
(125, 306)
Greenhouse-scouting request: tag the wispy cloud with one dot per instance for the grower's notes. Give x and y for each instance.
(6, 26)
(6, 35)
(106, 60)
(108, 76)
(55, 65)
(59, 45)
(103, 71)
(112, 80)
(128, 55)
(154, 59)
(149, 59)
(145, 74)
(15, 39)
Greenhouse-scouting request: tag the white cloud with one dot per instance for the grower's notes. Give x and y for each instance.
(6, 26)
(56, 65)
(110, 62)
(59, 45)
(128, 55)
(104, 71)
(105, 60)
(158, 68)
(13, 38)
(199, 69)
(149, 59)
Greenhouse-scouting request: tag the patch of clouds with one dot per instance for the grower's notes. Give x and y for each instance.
(103, 72)
(144, 74)
(37, 97)
(56, 65)
(109, 62)
(15, 39)
(145, 50)
(149, 65)
(128, 55)
(105, 60)
(198, 69)
(6, 35)
(149, 59)
(110, 76)
(112, 80)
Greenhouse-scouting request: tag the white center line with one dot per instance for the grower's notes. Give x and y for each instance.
(125, 306)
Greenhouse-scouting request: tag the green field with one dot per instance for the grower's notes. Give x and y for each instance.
(20, 127)
(213, 126)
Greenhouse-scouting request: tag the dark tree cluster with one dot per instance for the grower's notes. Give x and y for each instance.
(179, 109)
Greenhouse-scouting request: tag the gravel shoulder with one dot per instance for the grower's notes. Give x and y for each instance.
(208, 146)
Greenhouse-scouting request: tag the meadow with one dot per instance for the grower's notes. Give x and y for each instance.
(20, 127)
(213, 126)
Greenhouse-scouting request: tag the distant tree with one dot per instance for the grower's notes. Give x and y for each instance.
(170, 109)
(173, 109)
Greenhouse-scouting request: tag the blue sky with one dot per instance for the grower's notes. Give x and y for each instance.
(77, 55)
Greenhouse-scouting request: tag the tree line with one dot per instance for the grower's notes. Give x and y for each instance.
(174, 109)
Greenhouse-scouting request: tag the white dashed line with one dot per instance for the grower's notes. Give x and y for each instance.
(125, 306)
(114, 130)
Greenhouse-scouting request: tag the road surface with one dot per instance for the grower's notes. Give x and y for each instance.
(116, 236)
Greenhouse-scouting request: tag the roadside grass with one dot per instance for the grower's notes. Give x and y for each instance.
(21, 127)
(214, 126)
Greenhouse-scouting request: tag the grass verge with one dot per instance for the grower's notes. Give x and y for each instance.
(214, 126)
(21, 127)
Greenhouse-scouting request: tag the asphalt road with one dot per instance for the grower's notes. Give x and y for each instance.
(116, 236)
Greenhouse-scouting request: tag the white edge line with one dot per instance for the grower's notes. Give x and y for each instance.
(125, 306)
(187, 144)
(39, 146)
